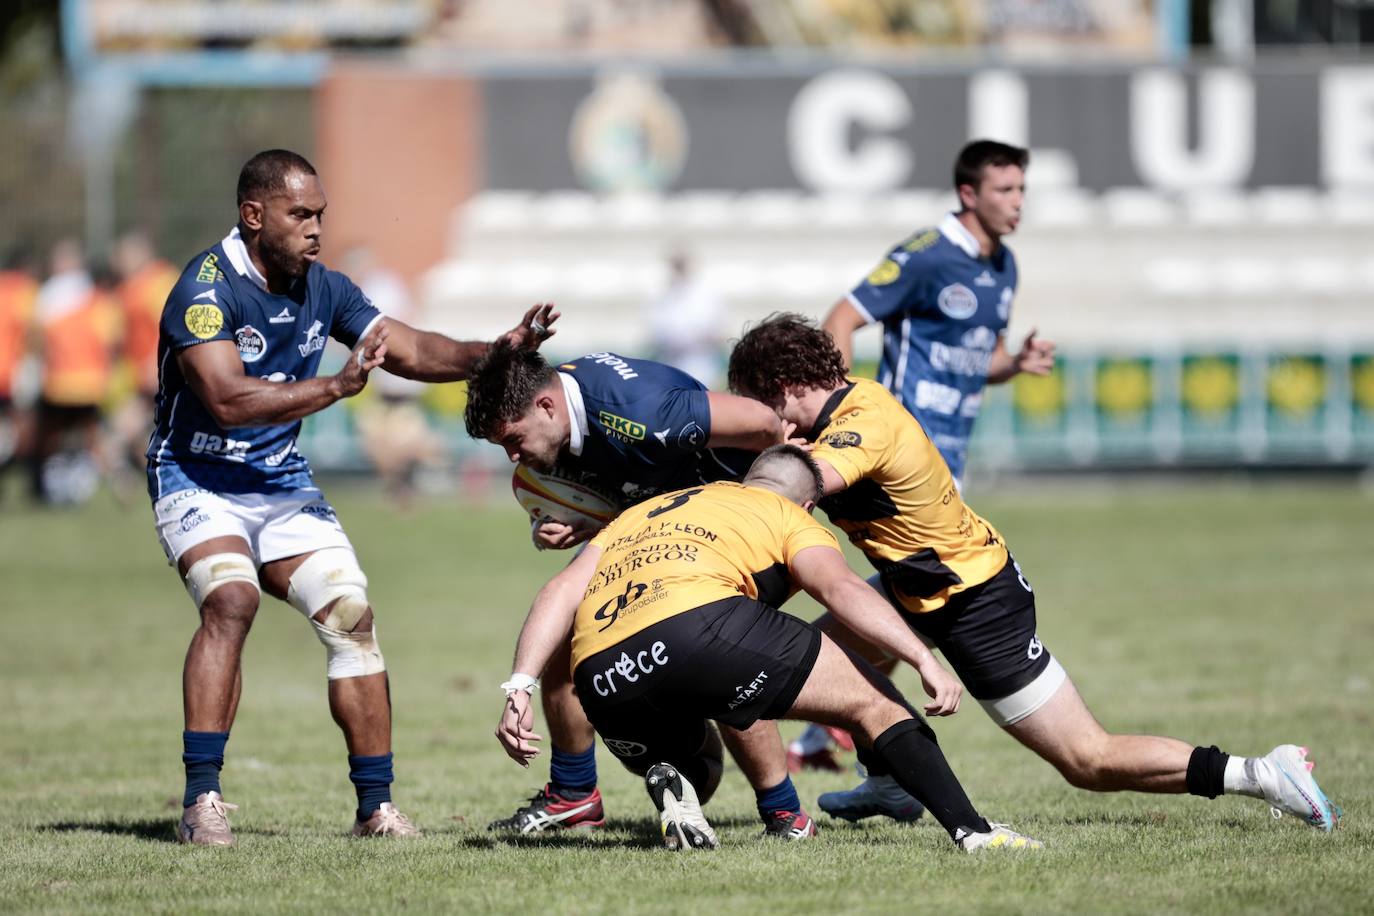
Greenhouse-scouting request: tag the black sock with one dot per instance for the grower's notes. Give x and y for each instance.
(915, 760)
(873, 764)
(1207, 771)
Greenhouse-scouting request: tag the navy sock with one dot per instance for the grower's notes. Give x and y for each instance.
(573, 776)
(371, 776)
(782, 797)
(203, 755)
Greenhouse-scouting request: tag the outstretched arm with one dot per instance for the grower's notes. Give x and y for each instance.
(738, 422)
(822, 572)
(546, 628)
(236, 399)
(430, 357)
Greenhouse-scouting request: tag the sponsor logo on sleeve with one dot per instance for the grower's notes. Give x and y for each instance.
(958, 301)
(252, 345)
(209, 269)
(692, 436)
(206, 294)
(884, 273)
(923, 240)
(845, 438)
(204, 321)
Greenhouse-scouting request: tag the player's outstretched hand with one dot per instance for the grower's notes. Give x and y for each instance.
(366, 356)
(515, 731)
(1036, 356)
(548, 534)
(942, 687)
(535, 328)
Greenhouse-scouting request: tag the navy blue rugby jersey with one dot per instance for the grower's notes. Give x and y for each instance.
(639, 428)
(943, 307)
(222, 296)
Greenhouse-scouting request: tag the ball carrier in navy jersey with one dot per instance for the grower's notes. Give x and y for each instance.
(633, 429)
(234, 502)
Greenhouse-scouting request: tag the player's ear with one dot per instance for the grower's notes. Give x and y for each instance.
(543, 402)
(809, 505)
(250, 214)
(968, 196)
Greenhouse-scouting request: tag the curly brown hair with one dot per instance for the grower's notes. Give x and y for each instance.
(502, 387)
(782, 351)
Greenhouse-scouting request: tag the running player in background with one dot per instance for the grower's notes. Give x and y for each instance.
(144, 282)
(235, 505)
(18, 293)
(700, 638)
(632, 429)
(949, 574)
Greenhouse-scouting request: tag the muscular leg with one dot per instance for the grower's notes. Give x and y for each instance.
(211, 679)
(759, 752)
(1065, 734)
(360, 705)
(867, 705)
(568, 727)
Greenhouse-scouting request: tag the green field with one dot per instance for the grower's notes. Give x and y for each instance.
(1222, 613)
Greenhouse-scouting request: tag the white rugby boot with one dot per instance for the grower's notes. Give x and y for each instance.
(206, 823)
(999, 837)
(1284, 775)
(680, 817)
(386, 821)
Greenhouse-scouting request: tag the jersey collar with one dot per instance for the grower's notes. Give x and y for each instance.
(238, 256)
(831, 404)
(577, 413)
(958, 233)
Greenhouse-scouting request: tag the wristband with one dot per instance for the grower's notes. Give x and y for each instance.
(520, 682)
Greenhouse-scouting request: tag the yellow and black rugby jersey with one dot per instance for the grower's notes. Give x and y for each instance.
(901, 507)
(685, 549)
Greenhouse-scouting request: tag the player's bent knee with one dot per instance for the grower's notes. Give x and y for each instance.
(210, 573)
(330, 580)
(349, 653)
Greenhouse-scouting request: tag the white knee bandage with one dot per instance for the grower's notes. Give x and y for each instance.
(332, 578)
(209, 573)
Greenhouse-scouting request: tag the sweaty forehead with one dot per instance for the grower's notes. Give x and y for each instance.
(300, 189)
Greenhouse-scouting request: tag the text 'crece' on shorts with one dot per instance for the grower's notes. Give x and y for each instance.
(735, 661)
(275, 525)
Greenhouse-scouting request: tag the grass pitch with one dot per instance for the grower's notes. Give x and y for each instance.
(1221, 613)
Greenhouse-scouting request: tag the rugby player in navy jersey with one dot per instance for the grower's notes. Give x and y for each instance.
(235, 505)
(944, 299)
(632, 429)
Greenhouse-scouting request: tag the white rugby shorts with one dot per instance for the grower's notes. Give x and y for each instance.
(275, 525)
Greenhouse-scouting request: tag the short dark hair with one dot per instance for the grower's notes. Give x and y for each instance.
(266, 173)
(782, 351)
(788, 450)
(502, 387)
(978, 155)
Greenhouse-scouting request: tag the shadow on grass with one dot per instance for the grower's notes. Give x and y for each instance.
(157, 830)
(631, 832)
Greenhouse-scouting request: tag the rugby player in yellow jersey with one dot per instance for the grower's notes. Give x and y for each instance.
(947, 571)
(673, 614)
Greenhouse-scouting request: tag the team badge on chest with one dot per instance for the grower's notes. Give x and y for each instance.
(958, 301)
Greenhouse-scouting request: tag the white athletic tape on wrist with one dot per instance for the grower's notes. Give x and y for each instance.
(209, 573)
(332, 578)
(519, 682)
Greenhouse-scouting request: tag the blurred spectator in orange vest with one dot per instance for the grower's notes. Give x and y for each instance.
(18, 290)
(78, 325)
(145, 281)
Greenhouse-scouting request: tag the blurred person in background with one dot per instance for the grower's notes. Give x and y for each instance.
(397, 437)
(144, 282)
(77, 330)
(18, 292)
(685, 321)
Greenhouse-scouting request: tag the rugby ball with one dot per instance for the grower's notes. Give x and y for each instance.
(549, 496)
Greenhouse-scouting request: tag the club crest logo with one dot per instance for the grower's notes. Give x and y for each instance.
(958, 301)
